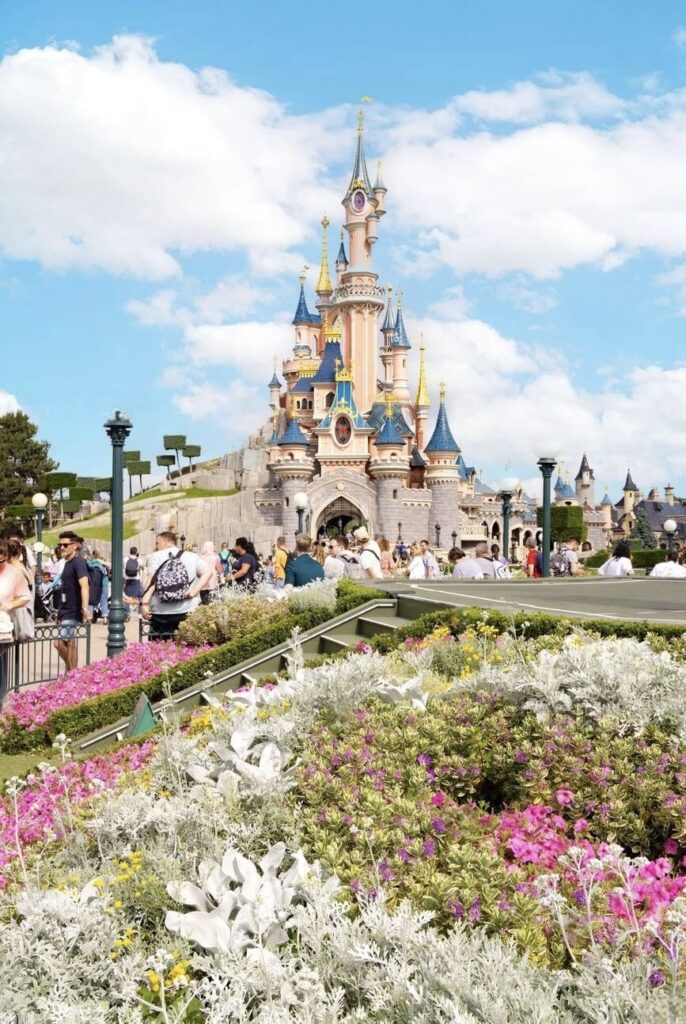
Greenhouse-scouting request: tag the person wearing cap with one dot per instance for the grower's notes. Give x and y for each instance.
(370, 554)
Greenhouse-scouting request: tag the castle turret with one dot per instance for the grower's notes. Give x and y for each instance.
(606, 509)
(442, 473)
(630, 492)
(324, 287)
(669, 494)
(293, 468)
(584, 483)
(387, 332)
(379, 191)
(401, 345)
(274, 389)
(358, 296)
(422, 400)
(389, 467)
(341, 259)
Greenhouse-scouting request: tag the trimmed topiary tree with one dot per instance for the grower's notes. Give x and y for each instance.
(174, 443)
(566, 523)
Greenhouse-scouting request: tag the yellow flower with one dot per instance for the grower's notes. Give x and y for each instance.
(117, 904)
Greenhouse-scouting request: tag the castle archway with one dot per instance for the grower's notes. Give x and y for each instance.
(339, 517)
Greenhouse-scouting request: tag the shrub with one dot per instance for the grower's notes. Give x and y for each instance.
(102, 711)
(227, 621)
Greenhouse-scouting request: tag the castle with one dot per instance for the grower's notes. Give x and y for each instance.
(350, 432)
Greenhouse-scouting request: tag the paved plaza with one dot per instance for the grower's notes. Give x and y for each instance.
(633, 599)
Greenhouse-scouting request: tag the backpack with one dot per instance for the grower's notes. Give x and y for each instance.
(171, 582)
(95, 581)
(559, 565)
(353, 569)
(131, 568)
(539, 562)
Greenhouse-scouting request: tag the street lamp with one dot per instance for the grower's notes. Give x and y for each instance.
(506, 498)
(39, 502)
(670, 528)
(438, 535)
(546, 464)
(400, 532)
(182, 538)
(454, 536)
(300, 500)
(117, 428)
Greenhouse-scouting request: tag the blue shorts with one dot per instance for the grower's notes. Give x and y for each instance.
(67, 629)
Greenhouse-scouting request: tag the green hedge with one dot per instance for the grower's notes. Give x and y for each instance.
(99, 712)
(539, 624)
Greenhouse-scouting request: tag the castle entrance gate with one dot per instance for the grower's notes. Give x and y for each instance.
(339, 517)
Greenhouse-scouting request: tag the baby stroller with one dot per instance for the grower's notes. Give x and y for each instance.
(46, 601)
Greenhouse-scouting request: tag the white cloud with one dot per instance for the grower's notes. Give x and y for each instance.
(120, 161)
(8, 403)
(238, 408)
(524, 296)
(555, 96)
(248, 347)
(680, 38)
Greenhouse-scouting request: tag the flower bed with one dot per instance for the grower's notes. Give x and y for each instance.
(355, 842)
(108, 707)
(34, 707)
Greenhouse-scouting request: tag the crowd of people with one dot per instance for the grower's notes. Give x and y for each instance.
(164, 588)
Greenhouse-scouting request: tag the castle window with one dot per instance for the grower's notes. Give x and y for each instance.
(395, 493)
(297, 405)
(404, 363)
(309, 404)
(328, 401)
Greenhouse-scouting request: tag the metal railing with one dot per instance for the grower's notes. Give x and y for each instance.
(37, 661)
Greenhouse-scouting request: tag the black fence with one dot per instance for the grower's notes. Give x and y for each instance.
(37, 661)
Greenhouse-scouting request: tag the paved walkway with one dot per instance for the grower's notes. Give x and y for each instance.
(633, 599)
(99, 637)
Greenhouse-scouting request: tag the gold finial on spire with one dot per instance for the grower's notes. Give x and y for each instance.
(422, 399)
(389, 399)
(442, 391)
(360, 122)
(324, 286)
(366, 99)
(303, 274)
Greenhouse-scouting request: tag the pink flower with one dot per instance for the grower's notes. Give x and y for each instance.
(671, 847)
(564, 797)
(438, 799)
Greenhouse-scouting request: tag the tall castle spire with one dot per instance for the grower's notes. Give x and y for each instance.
(324, 286)
(422, 399)
(360, 176)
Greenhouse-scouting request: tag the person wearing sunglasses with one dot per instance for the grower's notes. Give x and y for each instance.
(74, 601)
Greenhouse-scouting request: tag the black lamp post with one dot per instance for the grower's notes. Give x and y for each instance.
(506, 498)
(454, 537)
(400, 532)
(39, 501)
(182, 538)
(117, 429)
(546, 464)
(670, 528)
(300, 500)
(438, 535)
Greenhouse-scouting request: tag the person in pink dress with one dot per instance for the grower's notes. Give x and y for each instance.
(14, 593)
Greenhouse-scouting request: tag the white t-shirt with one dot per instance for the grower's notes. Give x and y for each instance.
(616, 567)
(334, 568)
(194, 566)
(370, 559)
(468, 569)
(417, 570)
(669, 570)
(432, 568)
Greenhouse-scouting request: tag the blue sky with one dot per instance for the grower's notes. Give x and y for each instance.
(156, 214)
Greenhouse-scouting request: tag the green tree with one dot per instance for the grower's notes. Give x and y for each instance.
(59, 482)
(24, 460)
(139, 469)
(566, 523)
(174, 443)
(166, 461)
(190, 452)
(127, 458)
(103, 485)
(641, 530)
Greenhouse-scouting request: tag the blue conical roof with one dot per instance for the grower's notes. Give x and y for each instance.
(400, 339)
(559, 485)
(607, 500)
(293, 436)
(389, 322)
(326, 374)
(416, 461)
(342, 258)
(302, 313)
(274, 382)
(567, 492)
(389, 434)
(442, 439)
(629, 484)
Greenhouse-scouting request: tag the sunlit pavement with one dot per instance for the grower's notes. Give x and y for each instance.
(634, 599)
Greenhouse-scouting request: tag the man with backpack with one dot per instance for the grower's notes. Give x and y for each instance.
(369, 554)
(174, 581)
(565, 561)
(133, 587)
(341, 563)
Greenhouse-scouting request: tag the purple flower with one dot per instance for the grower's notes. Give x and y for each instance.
(404, 855)
(429, 848)
(438, 825)
(521, 757)
(656, 979)
(474, 913)
(458, 910)
(424, 759)
(386, 872)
